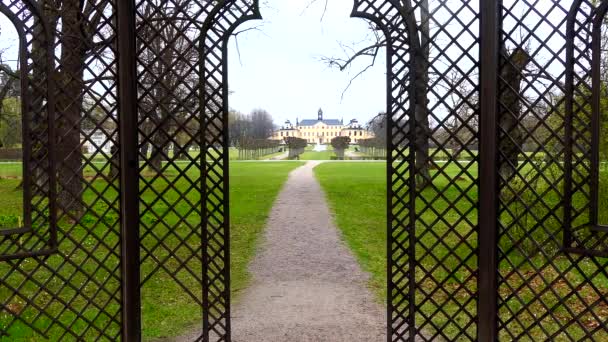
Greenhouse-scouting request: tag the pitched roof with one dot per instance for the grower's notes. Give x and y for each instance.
(330, 122)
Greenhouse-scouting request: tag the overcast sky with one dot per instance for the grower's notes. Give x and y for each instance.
(280, 67)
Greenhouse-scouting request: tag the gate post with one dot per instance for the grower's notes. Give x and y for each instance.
(129, 171)
(488, 165)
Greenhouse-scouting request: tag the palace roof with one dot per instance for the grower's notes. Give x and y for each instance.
(329, 122)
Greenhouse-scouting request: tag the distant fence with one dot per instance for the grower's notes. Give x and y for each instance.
(11, 154)
(373, 151)
(258, 153)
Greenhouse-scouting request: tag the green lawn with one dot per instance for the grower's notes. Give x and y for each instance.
(314, 155)
(10, 169)
(97, 164)
(167, 308)
(357, 195)
(603, 191)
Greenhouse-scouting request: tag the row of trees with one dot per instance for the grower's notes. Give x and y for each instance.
(252, 149)
(85, 45)
(249, 133)
(374, 147)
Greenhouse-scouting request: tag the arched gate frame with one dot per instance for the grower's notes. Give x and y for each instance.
(502, 244)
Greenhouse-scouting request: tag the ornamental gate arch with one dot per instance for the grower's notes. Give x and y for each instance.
(499, 244)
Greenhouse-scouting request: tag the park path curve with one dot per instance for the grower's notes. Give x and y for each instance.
(307, 286)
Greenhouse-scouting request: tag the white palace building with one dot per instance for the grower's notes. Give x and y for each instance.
(321, 131)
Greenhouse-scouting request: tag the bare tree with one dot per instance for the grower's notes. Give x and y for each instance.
(377, 125)
(459, 128)
(167, 97)
(261, 124)
(169, 83)
(238, 127)
(417, 22)
(257, 126)
(80, 39)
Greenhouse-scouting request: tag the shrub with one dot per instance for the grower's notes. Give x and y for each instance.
(296, 146)
(340, 144)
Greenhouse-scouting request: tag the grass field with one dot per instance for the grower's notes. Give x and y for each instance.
(10, 169)
(167, 310)
(357, 196)
(317, 155)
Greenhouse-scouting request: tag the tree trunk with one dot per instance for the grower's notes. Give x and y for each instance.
(422, 132)
(41, 74)
(420, 52)
(339, 153)
(159, 149)
(161, 140)
(114, 163)
(512, 135)
(69, 103)
(145, 148)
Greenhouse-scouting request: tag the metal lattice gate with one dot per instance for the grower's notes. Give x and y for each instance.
(495, 234)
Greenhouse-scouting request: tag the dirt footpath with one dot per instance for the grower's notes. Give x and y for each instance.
(306, 284)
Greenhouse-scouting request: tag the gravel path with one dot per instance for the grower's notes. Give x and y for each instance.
(307, 286)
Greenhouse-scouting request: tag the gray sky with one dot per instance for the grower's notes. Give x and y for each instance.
(280, 67)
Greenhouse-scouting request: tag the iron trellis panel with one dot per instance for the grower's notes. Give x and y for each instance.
(182, 89)
(37, 235)
(582, 229)
(432, 229)
(551, 278)
(400, 214)
(74, 293)
(215, 159)
(129, 172)
(170, 215)
(453, 81)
